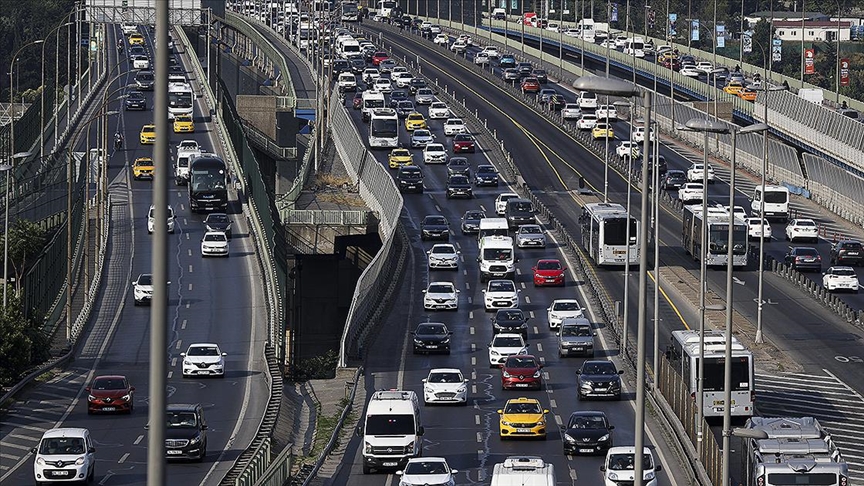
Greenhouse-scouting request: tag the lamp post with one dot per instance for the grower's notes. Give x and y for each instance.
(617, 87)
(12, 92)
(9, 174)
(42, 97)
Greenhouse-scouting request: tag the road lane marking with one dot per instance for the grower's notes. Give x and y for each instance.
(138, 440)
(123, 458)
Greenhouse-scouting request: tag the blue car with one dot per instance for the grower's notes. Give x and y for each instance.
(507, 61)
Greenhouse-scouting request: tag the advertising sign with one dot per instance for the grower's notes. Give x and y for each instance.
(694, 29)
(720, 35)
(844, 72)
(809, 66)
(747, 41)
(672, 19)
(776, 50)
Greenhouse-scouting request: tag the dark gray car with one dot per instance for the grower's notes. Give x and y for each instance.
(599, 378)
(434, 227)
(575, 336)
(471, 221)
(458, 166)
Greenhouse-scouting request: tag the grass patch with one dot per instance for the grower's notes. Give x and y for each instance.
(324, 427)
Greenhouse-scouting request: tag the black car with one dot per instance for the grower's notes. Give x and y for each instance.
(674, 179)
(357, 65)
(471, 221)
(137, 51)
(486, 175)
(459, 186)
(185, 432)
(847, 252)
(803, 258)
(135, 101)
(218, 222)
(404, 108)
(458, 166)
(340, 66)
(415, 84)
(144, 80)
(396, 97)
(661, 164)
(409, 179)
(599, 378)
(510, 321)
(432, 337)
(525, 69)
(434, 227)
(177, 70)
(541, 75)
(588, 432)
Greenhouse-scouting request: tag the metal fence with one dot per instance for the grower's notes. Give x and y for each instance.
(324, 217)
(834, 188)
(261, 52)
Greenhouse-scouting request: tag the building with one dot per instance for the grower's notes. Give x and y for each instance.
(814, 30)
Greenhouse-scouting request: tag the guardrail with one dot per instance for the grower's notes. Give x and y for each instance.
(271, 54)
(325, 217)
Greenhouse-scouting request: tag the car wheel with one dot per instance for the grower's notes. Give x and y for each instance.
(137, 303)
(92, 475)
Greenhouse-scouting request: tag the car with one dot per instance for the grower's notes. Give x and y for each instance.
(674, 179)
(575, 336)
(507, 61)
(435, 29)
(458, 165)
(501, 202)
(151, 219)
(696, 173)
(733, 87)
(619, 467)
(481, 59)
(203, 359)
(530, 236)
(491, 51)
(434, 227)
(438, 110)
(424, 96)
(421, 137)
(587, 99)
(421, 471)
(847, 252)
(486, 175)
(548, 271)
(459, 47)
(525, 69)
(383, 85)
(690, 71)
(128, 28)
(466, 39)
(521, 371)
(545, 95)
(500, 294)
(802, 258)
(186, 432)
(142, 289)
(571, 111)
(214, 243)
(409, 178)
(357, 65)
(140, 62)
(802, 229)
(413, 120)
(445, 385)
(628, 149)
(587, 432)
(587, 121)
(464, 142)
(144, 80)
(671, 63)
(148, 134)
(561, 309)
(142, 168)
(522, 417)
(758, 228)
(379, 56)
(357, 101)
(705, 67)
(443, 255)
(510, 321)
(183, 124)
(602, 130)
(748, 94)
(135, 100)
(110, 394)
(504, 345)
(136, 39)
(459, 186)
(431, 337)
(738, 211)
(401, 80)
(441, 296)
(691, 191)
(541, 75)
(370, 75)
(608, 44)
(218, 222)
(840, 278)
(529, 84)
(441, 39)
(137, 50)
(64, 454)
(606, 111)
(471, 221)
(416, 84)
(598, 378)
(452, 126)
(399, 157)
(434, 153)
(347, 82)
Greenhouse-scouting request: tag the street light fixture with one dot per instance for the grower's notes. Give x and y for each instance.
(19, 155)
(42, 84)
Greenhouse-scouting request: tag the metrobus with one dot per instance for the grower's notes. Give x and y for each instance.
(604, 234)
(718, 236)
(776, 202)
(384, 128)
(208, 184)
(683, 355)
(385, 7)
(180, 98)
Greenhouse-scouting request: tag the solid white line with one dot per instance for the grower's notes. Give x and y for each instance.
(123, 458)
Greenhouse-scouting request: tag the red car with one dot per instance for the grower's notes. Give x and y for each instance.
(378, 57)
(549, 272)
(358, 100)
(521, 371)
(463, 142)
(530, 85)
(672, 64)
(110, 394)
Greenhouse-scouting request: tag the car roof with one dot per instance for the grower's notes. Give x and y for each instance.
(65, 432)
(181, 407)
(202, 345)
(110, 377)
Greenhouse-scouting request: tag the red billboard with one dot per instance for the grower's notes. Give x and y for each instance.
(809, 65)
(844, 72)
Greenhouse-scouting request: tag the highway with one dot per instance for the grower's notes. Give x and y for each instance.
(214, 300)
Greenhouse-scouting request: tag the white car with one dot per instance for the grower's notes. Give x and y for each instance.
(398, 70)
(500, 294)
(443, 255)
(802, 229)
(606, 111)
(501, 202)
(421, 471)
(438, 110)
(586, 122)
(571, 111)
(441, 296)
(453, 126)
(561, 309)
(505, 345)
(628, 148)
(738, 211)
(620, 41)
(840, 278)
(758, 228)
(587, 99)
(445, 385)
(151, 219)
(142, 289)
(402, 80)
(530, 236)
(691, 191)
(421, 137)
(491, 51)
(128, 28)
(370, 75)
(64, 454)
(140, 62)
(214, 243)
(188, 146)
(383, 85)
(435, 29)
(466, 39)
(608, 44)
(618, 467)
(572, 33)
(434, 153)
(203, 359)
(696, 173)
(690, 71)
(704, 67)
(639, 134)
(481, 58)
(441, 39)
(458, 47)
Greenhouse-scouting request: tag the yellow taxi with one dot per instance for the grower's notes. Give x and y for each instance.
(602, 130)
(522, 417)
(414, 121)
(666, 56)
(148, 134)
(734, 87)
(399, 157)
(142, 168)
(748, 94)
(136, 39)
(183, 124)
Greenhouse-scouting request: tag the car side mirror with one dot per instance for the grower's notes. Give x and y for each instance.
(458, 291)
(146, 426)
(449, 333)
(578, 372)
(182, 355)
(500, 412)
(224, 354)
(87, 389)
(421, 430)
(465, 380)
(423, 380)
(534, 269)
(620, 372)
(203, 426)
(594, 333)
(545, 411)
(131, 388)
(423, 291)
(399, 473)
(611, 427)
(91, 450)
(489, 345)
(603, 468)
(358, 430)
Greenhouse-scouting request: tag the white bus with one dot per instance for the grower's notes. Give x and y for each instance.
(718, 236)
(604, 234)
(683, 355)
(350, 12)
(384, 128)
(385, 7)
(180, 98)
(776, 202)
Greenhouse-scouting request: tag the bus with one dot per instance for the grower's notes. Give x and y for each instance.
(208, 184)
(683, 356)
(180, 98)
(385, 7)
(604, 234)
(371, 100)
(350, 12)
(384, 128)
(718, 236)
(776, 203)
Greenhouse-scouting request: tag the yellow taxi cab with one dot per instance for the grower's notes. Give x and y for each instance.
(148, 134)
(522, 417)
(602, 130)
(399, 157)
(748, 94)
(183, 124)
(733, 87)
(666, 56)
(414, 121)
(136, 39)
(142, 168)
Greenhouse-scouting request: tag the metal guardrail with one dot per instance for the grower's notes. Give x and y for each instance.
(325, 217)
(257, 137)
(239, 23)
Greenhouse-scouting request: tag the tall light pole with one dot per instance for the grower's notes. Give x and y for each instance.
(9, 174)
(42, 97)
(12, 93)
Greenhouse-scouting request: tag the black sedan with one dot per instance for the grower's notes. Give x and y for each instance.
(135, 101)
(459, 186)
(510, 321)
(541, 75)
(434, 227)
(432, 337)
(415, 84)
(674, 179)
(486, 175)
(397, 97)
(218, 222)
(599, 378)
(471, 221)
(588, 432)
(458, 166)
(803, 258)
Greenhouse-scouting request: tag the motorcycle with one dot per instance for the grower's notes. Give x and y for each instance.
(118, 141)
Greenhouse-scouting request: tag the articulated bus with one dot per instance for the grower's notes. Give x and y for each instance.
(718, 236)
(384, 128)
(180, 98)
(683, 355)
(604, 234)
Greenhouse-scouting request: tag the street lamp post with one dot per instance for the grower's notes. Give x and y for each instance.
(9, 174)
(42, 97)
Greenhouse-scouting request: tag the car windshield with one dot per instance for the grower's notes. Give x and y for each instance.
(109, 384)
(520, 362)
(566, 306)
(463, 137)
(214, 237)
(599, 369)
(575, 331)
(548, 265)
(421, 133)
(474, 215)
(145, 280)
(425, 467)
(587, 422)
(62, 446)
(459, 180)
(445, 377)
(203, 351)
(436, 220)
(501, 286)
(843, 272)
(447, 250)
(509, 315)
(485, 170)
(522, 407)
(401, 153)
(440, 289)
(623, 462)
(434, 147)
(507, 342)
(414, 116)
(181, 420)
(428, 329)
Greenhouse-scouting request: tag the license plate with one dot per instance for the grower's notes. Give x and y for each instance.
(853, 253)
(108, 409)
(432, 346)
(174, 453)
(523, 431)
(411, 186)
(62, 473)
(586, 451)
(390, 464)
(522, 385)
(601, 390)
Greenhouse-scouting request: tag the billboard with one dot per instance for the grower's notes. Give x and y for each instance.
(143, 12)
(809, 65)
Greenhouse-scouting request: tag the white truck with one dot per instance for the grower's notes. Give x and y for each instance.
(391, 429)
(497, 258)
(523, 471)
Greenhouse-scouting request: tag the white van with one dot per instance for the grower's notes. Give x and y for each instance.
(391, 430)
(523, 471)
(587, 99)
(619, 466)
(635, 46)
(493, 227)
(497, 258)
(65, 455)
(372, 100)
(776, 202)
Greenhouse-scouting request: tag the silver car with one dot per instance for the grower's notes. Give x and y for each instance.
(530, 235)
(421, 138)
(424, 96)
(575, 336)
(443, 255)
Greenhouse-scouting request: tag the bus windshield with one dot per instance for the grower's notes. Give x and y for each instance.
(714, 372)
(384, 127)
(208, 180)
(180, 99)
(616, 231)
(719, 237)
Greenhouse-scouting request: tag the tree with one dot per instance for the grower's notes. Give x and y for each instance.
(26, 241)
(23, 345)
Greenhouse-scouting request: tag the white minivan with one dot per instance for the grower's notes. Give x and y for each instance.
(65, 455)
(619, 466)
(392, 431)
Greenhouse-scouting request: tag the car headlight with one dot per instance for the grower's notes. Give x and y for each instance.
(553, 316)
(367, 448)
(613, 476)
(186, 362)
(462, 389)
(603, 438)
(40, 461)
(523, 351)
(494, 353)
(195, 440)
(505, 423)
(537, 374)
(410, 445)
(506, 374)
(417, 341)
(91, 398)
(569, 438)
(649, 476)
(127, 397)
(79, 461)
(446, 341)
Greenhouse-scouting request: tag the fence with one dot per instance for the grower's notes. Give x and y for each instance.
(835, 188)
